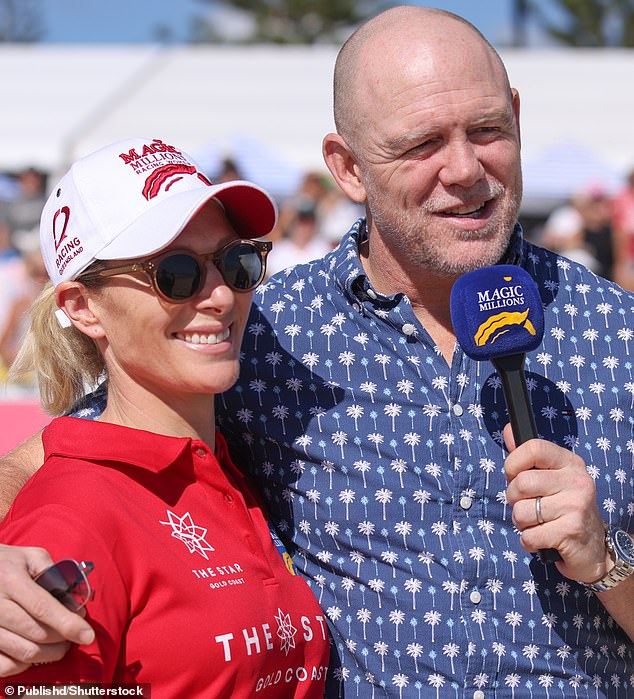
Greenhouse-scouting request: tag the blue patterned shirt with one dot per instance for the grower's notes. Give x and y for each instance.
(383, 470)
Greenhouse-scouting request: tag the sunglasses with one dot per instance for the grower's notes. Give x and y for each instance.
(67, 581)
(179, 275)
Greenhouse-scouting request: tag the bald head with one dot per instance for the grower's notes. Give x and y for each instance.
(385, 46)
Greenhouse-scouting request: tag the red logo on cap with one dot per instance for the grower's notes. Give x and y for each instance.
(164, 177)
(60, 223)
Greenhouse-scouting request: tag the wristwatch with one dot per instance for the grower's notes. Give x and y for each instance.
(620, 546)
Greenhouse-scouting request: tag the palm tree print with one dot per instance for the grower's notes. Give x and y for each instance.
(382, 468)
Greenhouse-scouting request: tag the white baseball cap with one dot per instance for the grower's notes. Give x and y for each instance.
(133, 198)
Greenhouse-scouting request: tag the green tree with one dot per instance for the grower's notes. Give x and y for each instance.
(593, 23)
(295, 21)
(20, 21)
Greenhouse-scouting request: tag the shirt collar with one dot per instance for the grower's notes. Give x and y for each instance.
(350, 276)
(102, 442)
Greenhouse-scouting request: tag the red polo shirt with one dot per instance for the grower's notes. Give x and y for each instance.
(191, 593)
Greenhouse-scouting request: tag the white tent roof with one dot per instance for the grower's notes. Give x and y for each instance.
(60, 102)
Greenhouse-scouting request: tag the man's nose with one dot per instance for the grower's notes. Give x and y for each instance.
(462, 164)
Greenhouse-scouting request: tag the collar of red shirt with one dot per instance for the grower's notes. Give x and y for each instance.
(103, 441)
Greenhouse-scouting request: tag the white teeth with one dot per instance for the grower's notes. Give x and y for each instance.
(463, 211)
(206, 339)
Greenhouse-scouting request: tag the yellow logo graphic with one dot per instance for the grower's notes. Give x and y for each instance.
(495, 326)
(289, 563)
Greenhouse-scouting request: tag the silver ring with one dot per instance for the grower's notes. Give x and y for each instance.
(538, 510)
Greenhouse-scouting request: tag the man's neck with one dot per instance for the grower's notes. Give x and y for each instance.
(429, 294)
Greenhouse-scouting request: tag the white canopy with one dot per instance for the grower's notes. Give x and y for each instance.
(60, 102)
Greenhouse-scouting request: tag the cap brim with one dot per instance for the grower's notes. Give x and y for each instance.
(249, 209)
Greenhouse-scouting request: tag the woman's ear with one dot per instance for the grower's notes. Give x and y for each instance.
(73, 298)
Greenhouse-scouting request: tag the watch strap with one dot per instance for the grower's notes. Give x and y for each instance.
(619, 572)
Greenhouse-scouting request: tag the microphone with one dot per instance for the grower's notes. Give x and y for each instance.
(497, 315)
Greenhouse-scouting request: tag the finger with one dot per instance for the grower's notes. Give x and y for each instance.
(17, 566)
(14, 560)
(528, 485)
(51, 614)
(534, 512)
(9, 666)
(18, 654)
(16, 620)
(509, 439)
(571, 486)
(542, 455)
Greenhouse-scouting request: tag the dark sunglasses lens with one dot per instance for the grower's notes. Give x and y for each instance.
(241, 266)
(178, 276)
(67, 583)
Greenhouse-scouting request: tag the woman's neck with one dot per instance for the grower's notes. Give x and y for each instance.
(185, 415)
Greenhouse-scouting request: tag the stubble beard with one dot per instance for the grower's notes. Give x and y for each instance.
(432, 252)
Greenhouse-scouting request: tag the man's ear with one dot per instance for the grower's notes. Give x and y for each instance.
(344, 167)
(73, 298)
(516, 111)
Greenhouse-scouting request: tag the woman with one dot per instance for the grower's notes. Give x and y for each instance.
(151, 266)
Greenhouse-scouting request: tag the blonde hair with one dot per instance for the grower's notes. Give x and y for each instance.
(64, 360)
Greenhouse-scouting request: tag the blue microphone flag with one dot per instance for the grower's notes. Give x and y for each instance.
(496, 312)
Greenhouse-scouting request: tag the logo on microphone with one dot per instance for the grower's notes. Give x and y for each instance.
(497, 325)
(500, 323)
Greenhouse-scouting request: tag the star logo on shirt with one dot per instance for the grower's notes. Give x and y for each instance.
(285, 631)
(193, 536)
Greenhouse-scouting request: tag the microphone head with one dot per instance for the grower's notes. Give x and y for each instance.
(496, 312)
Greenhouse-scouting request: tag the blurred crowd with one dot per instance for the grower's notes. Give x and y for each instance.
(593, 228)
(22, 272)
(311, 221)
(597, 230)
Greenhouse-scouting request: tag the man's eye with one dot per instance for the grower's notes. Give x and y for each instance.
(422, 148)
(486, 133)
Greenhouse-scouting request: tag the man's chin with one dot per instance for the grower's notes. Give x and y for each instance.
(458, 258)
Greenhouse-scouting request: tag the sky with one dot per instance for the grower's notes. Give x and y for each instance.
(136, 21)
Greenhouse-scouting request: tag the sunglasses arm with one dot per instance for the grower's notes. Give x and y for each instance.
(127, 269)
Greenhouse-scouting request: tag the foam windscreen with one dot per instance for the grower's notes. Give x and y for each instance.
(497, 311)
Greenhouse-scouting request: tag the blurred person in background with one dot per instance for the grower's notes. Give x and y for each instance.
(312, 190)
(228, 172)
(301, 241)
(335, 213)
(13, 286)
(32, 279)
(623, 227)
(563, 233)
(24, 209)
(581, 230)
(595, 206)
(333, 210)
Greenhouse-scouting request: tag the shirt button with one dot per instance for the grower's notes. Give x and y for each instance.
(478, 694)
(371, 293)
(409, 328)
(475, 598)
(200, 451)
(356, 307)
(458, 410)
(228, 497)
(465, 502)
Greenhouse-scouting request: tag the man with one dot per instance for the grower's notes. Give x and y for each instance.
(378, 443)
